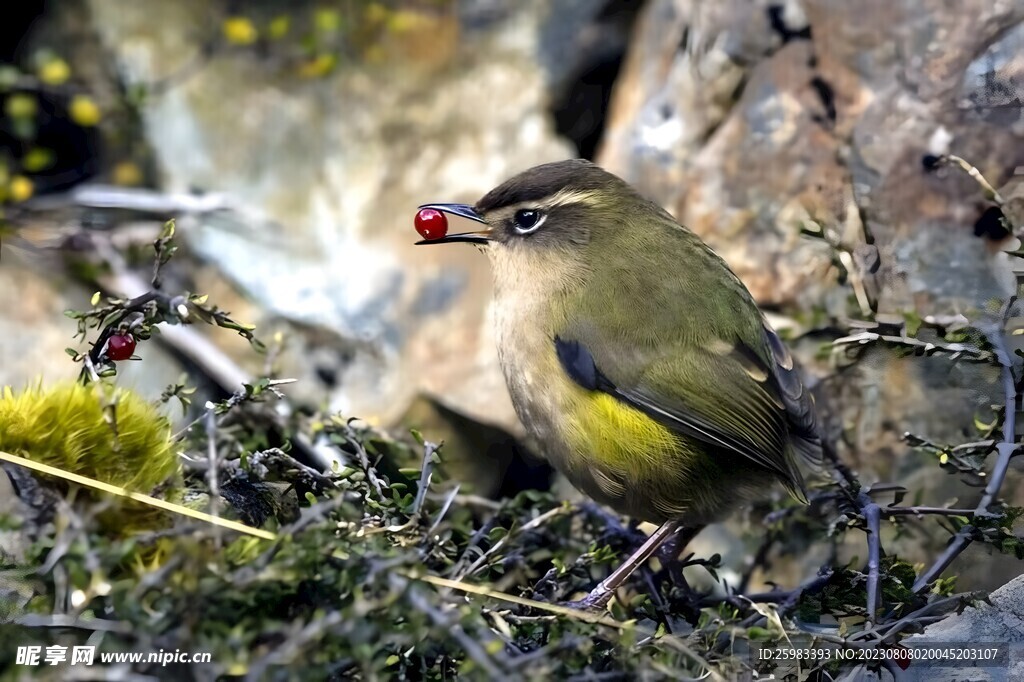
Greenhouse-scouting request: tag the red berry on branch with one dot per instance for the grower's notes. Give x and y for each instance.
(431, 224)
(121, 347)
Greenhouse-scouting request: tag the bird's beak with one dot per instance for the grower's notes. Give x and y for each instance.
(463, 211)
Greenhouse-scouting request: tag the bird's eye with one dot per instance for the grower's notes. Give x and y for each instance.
(527, 220)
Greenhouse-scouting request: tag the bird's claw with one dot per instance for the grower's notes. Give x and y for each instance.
(595, 602)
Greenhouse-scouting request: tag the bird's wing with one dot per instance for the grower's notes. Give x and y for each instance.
(690, 349)
(731, 402)
(799, 404)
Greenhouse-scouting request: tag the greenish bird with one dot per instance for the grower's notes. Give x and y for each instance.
(633, 354)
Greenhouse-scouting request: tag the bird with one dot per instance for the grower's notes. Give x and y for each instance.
(634, 355)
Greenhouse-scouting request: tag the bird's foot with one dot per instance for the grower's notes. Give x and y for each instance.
(595, 602)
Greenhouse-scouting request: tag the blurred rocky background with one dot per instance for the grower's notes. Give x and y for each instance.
(293, 142)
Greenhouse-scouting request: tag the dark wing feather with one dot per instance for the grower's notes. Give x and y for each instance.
(799, 403)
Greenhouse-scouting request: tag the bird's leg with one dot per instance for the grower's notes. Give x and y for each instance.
(671, 548)
(669, 552)
(600, 596)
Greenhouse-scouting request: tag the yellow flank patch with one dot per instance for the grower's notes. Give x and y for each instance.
(604, 430)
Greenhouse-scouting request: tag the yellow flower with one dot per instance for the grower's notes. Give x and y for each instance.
(239, 31)
(20, 189)
(327, 20)
(84, 110)
(127, 173)
(375, 13)
(403, 21)
(55, 71)
(37, 159)
(21, 106)
(320, 66)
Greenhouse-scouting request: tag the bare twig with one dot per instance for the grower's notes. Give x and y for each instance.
(212, 476)
(888, 630)
(673, 642)
(955, 455)
(34, 620)
(981, 445)
(1006, 449)
(425, 473)
(987, 189)
(448, 501)
(956, 350)
(924, 511)
(759, 560)
(293, 645)
(535, 522)
(871, 521)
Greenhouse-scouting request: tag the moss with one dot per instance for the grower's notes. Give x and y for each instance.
(120, 439)
(112, 435)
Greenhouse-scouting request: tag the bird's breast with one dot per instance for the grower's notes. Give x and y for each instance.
(600, 443)
(535, 381)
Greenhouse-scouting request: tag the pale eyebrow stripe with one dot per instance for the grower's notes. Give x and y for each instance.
(570, 196)
(562, 197)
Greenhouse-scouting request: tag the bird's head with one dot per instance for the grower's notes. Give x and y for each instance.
(554, 206)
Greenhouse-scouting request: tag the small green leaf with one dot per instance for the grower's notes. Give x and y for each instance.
(37, 159)
(756, 632)
(168, 230)
(982, 426)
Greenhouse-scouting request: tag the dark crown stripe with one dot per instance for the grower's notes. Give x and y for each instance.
(543, 181)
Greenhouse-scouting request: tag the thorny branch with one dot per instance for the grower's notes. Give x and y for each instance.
(872, 514)
(534, 523)
(955, 350)
(861, 501)
(1006, 448)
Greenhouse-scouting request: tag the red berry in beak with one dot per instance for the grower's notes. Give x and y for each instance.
(431, 224)
(120, 347)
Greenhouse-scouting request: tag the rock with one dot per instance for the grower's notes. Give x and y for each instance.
(800, 103)
(488, 461)
(992, 86)
(753, 122)
(1001, 622)
(33, 329)
(330, 171)
(824, 126)
(680, 134)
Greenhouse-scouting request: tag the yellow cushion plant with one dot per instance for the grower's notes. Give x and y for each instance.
(109, 434)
